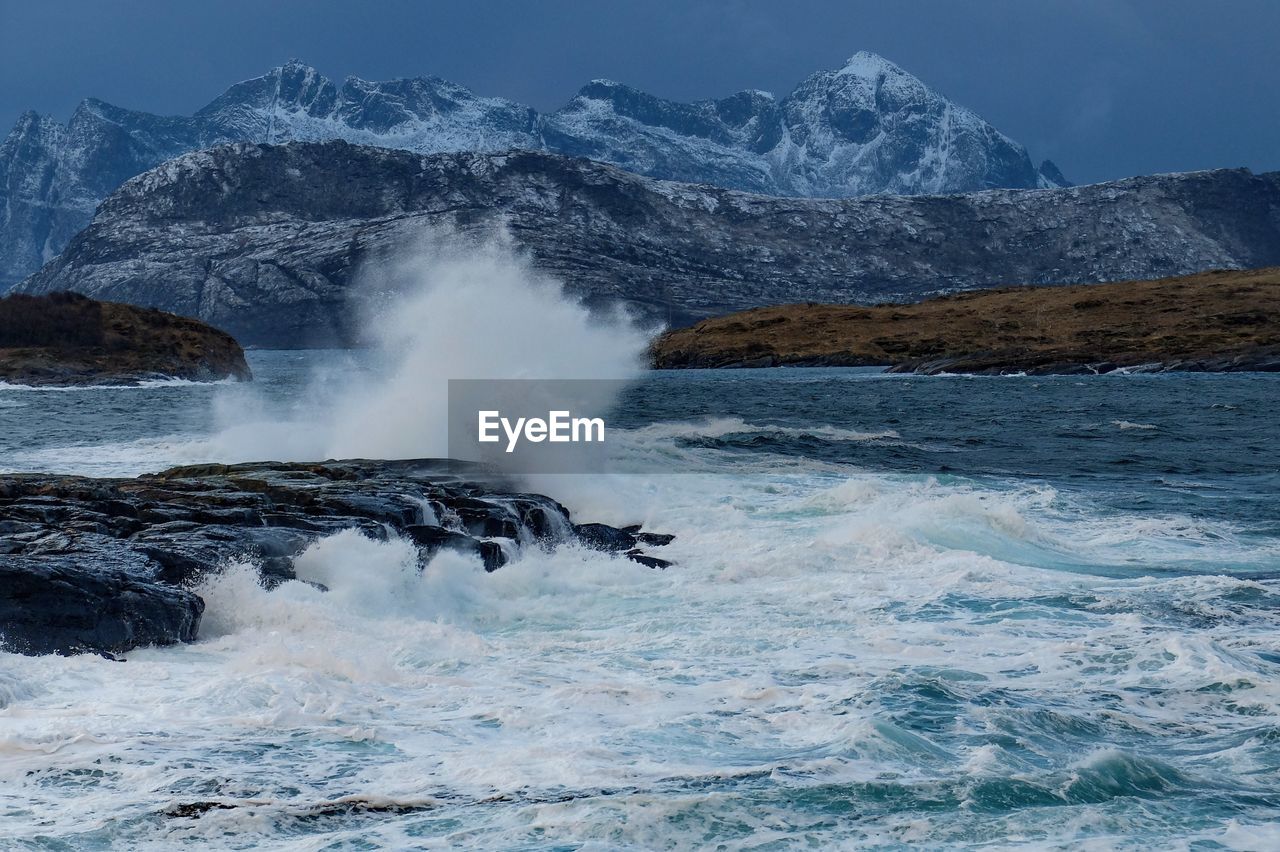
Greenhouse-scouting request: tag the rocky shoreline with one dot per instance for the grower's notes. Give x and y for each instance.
(1221, 321)
(65, 339)
(108, 565)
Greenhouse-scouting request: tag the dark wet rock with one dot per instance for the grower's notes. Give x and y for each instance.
(64, 603)
(106, 565)
(655, 539)
(195, 810)
(605, 537)
(648, 561)
(432, 539)
(624, 540)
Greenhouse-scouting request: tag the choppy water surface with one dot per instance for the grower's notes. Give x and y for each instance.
(947, 611)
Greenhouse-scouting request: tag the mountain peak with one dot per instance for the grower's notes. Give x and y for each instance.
(601, 84)
(30, 124)
(294, 83)
(293, 68)
(296, 69)
(29, 119)
(864, 63)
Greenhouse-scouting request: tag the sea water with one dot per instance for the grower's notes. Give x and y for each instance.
(939, 611)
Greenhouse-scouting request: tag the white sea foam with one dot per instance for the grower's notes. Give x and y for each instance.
(145, 384)
(791, 640)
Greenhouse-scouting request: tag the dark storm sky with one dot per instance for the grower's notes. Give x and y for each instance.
(1106, 88)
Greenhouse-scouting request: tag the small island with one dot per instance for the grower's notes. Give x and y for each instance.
(66, 339)
(1219, 321)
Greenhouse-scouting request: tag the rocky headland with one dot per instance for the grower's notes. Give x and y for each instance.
(67, 339)
(107, 565)
(267, 241)
(1214, 321)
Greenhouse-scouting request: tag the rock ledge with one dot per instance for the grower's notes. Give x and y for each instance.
(107, 565)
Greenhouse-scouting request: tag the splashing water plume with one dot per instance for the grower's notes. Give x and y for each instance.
(445, 308)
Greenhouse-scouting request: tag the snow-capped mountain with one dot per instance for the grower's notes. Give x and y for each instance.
(873, 126)
(867, 128)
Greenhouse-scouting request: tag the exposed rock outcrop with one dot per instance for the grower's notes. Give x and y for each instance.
(1216, 321)
(264, 241)
(868, 127)
(106, 565)
(69, 339)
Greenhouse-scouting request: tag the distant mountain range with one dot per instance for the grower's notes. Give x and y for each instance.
(264, 241)
(864, 129)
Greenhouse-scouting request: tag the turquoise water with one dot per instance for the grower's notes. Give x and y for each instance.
(907, 612)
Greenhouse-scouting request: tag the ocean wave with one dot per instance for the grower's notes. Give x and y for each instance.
(123, 458)
(145, 384)
(719, 427)
(822, 659)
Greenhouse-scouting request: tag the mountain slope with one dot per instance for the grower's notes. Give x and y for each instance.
(264, 240)
(867, 128)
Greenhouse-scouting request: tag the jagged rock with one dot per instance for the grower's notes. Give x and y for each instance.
(432, 539)
(106, 565)
(654, 539)
(60, 603)
(605, 537)
(868, 127)
(624, 540)
(648, 561)
(263, 241)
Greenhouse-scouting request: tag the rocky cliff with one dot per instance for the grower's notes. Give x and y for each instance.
(68, 339)
(868, 127)
(263, 240)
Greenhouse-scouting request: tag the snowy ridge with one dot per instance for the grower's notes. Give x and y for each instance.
(864, 129)
(262, 240)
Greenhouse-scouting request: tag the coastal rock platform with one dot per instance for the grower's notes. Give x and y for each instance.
(107, 565)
